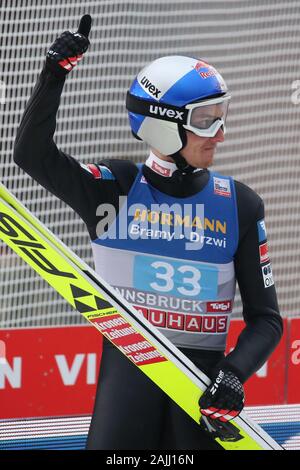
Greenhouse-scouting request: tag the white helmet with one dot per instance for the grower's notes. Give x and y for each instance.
(174, 94)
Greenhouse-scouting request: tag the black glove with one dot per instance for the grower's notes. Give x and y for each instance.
(68, 49)
(224, 398)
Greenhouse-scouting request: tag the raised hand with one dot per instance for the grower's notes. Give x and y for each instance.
(68, 49)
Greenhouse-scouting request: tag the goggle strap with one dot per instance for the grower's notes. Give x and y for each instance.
(166, 112)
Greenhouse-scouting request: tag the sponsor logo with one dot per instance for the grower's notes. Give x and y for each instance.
(186, 322)
(222, 187)
(161, 221)
(208, 74)
(211, 241)
(160, 169)
(201, 65)
(170, 113)
(267, 275)
(174, 219)
(193, 237)
(263, 252)
(150, 87)
(215, 307)
(129, 341)
(146, 300)
(30, 246)
(219, 379)
(262, 233)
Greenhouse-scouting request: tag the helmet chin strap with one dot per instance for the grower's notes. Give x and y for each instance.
(183, 166)
(181, 163)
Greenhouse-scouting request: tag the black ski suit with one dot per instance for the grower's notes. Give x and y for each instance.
(130, 411)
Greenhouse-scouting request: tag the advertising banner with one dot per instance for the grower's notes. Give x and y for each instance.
(53, 371)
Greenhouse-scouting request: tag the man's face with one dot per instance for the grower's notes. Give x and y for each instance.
(199, 151)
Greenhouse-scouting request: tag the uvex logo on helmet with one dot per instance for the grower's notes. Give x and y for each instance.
(170, 113)
(150, 87)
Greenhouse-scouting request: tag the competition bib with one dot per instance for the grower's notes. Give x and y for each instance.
(175, 266)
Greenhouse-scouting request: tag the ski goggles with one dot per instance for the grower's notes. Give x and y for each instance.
(207, 117)
(204, 118)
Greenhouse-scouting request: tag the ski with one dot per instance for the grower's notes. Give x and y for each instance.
(118, 321)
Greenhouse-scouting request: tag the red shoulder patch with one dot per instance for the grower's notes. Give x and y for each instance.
(94, 170)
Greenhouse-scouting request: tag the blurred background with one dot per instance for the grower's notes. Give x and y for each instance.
(255, 44)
